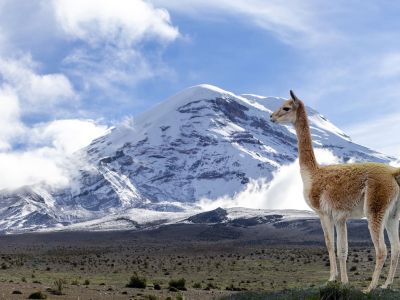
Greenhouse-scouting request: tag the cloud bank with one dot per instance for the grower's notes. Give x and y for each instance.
(81, 53)
(45, 157)
(119, 22)
(285, 191)
(299, 23)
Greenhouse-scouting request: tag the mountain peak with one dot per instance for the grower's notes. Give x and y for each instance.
(197, 92)
(171, 104)
(207, 86)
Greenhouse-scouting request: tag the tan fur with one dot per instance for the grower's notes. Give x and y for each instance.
(340, 192)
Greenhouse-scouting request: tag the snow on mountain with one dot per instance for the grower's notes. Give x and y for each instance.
(203, 142)
(135, 218)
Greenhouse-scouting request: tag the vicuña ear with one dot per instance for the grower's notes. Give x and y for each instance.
(294, 97)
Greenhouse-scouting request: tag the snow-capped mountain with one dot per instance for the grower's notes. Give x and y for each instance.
(203, 142)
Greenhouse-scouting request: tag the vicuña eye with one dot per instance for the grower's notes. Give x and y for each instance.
(286, 108)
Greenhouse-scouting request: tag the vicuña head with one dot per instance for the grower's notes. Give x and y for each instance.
(287, 113)
(340, 192)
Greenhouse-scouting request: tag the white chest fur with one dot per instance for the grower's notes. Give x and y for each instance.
(307, 184)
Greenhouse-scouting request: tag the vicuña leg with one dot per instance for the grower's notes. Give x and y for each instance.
(329, 233)
(375, 227)
(342, 248)
(392, 229)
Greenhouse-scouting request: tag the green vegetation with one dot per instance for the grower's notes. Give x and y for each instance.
(196, 285)
(330, 291)
(178, 284)
(58, 286)
(75, 282)
(157, 287)
(202, 270)
(37, 295)
(136, 282)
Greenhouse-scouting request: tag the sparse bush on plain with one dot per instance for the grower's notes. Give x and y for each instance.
(16, 292)
(210, 286)
(330, 291)
(37, 295)
(58, 286)
(157, 286)
(231, 287)
(75, 282)
(179, 284)
(136, 282)
(338, 291)
(196, 285)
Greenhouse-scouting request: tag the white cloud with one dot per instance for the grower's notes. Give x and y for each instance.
(118, 21)
(45, 158)
(300, 22)
(66, 136)
(111, 35)
(10, 125)
(41, 155)
(285, 191)
(101, 43)
(33, 88)
(31, 167)
(110, 67)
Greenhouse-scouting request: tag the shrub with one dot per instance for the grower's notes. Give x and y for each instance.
(86, 282)
(335, 290)
(210, 286)
(197, 285)
(75, 282)
(331, 291)
(157, 287)
(16, 292)
(233, 288)
(178, 284)
(136, 282)
(59, 286)
(37, 295)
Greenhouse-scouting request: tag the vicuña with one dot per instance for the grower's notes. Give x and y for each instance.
(339, 192)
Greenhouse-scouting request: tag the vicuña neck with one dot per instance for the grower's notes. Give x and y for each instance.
(306, 151)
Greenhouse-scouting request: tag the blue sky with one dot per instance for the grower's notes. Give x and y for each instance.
(69, 69)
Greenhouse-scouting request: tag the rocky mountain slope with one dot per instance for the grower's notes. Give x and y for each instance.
(202, 143)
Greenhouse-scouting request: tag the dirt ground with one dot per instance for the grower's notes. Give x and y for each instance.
(213, 262)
